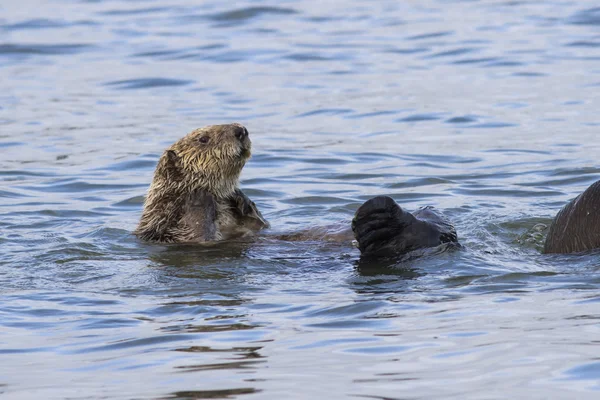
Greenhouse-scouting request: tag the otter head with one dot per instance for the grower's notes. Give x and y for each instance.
(209, 158)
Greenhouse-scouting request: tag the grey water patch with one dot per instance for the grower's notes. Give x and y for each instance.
(432, 35)
(11, 194)
(136, 11)
(518, 151)
(487, 125)
(350, 324)
(503, 63)
(421, 117)
(585, 17)
(145, 162)
(210, 394)
(594, 299)
(354, 176)
(512, 104)
(380, 350)
(333, 342)
(304, 57)
(75, 186)
(231, 17)
(198, 52)
(130, 203)
(353, 309)
(43, 23)
(135, 342)
(481, 60)
(43, 49)
(403, 51)
(17, 175)
(583, 43)
(158, 53)
(147, 83)
(11, 144)
(575, 171)
(573, 103)
(527, 74)
(508, 193)
(454, 52)
(231, 56)
(316, 200)
(464, 119)
(467, 334)
(403, 196)
(443, 158)
(417, 182)
(372, 114)
(590, 371)
(26, 350)
(325, 111)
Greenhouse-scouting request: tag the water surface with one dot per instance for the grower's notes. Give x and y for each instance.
(485, 109)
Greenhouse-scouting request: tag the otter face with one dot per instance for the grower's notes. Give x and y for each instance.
(213, 157)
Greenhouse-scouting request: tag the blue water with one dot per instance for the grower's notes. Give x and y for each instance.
(487, 110)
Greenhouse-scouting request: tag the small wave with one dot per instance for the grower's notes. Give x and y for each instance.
(372, 114)
(487, 125)
(40, 23)
(135, 11)
(584, 43)
(432, 35)
(147, 83)
(247, 13)
(43, 49)
(452, 53)
(76, 186)
(325, 111)
(421, 117)
(464, 119)
(585, 17)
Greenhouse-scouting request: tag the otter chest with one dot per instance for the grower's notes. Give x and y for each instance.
(230, 224)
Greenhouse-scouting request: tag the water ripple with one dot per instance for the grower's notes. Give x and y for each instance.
(247, 13)
(147, 83)
(485, 110)
(586, 17)
(43, 49)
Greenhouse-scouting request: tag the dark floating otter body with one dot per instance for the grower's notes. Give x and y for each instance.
(577, 226)
(194, 196)
(383, 229)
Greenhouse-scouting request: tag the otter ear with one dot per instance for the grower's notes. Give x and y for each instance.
(169, 166)
(169, 160)
(172, 156)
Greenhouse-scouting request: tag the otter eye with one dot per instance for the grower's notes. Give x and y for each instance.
(204, 139)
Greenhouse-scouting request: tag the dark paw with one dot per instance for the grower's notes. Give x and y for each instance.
(242, 203)
(378, 221)
(247, 209)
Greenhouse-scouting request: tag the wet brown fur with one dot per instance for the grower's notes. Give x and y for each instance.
(194, 195)
(577, 226)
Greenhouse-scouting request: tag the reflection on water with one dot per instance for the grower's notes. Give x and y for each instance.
(487, 110)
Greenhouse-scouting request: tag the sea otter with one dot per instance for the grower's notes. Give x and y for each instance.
(383, 229)
(576, 227)
(195, 194)
(195, 197)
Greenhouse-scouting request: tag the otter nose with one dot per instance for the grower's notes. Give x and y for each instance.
(241, 132)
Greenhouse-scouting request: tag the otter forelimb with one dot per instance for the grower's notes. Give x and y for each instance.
(200, 215)
(246, 208)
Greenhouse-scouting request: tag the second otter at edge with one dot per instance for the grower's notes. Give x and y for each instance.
(576, 227)
(195, 195)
